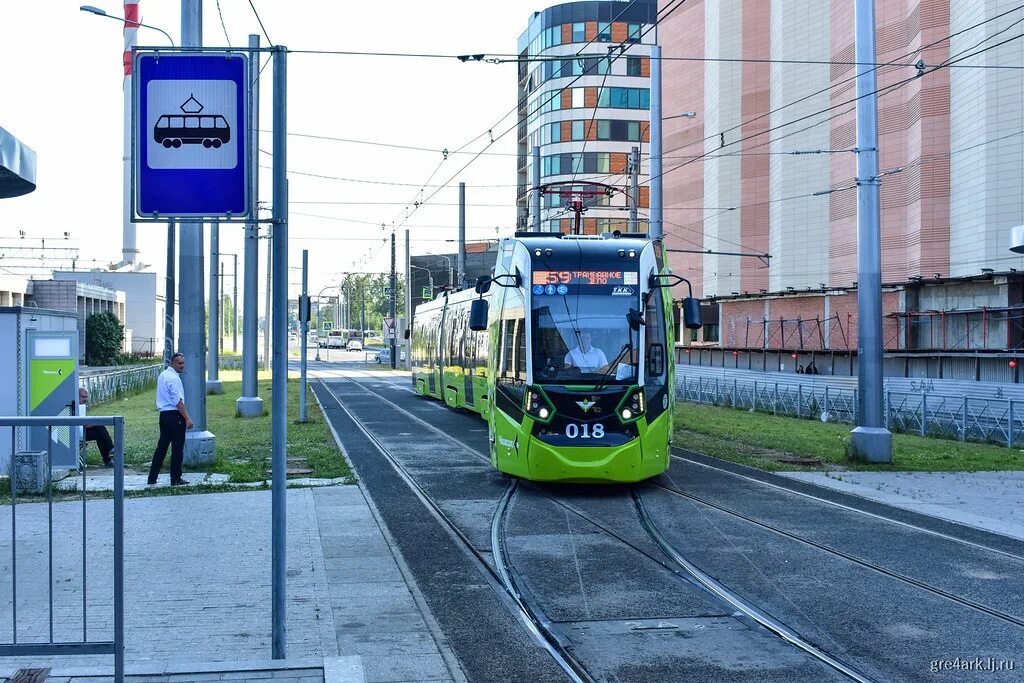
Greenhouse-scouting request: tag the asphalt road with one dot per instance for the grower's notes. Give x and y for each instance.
(892, 601)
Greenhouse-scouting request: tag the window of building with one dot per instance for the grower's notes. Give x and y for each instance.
(633, 33)
(604, 33)
(579, 32)
(577, 130)
(577, 98)
(604, 66)
(633, 131)
(555, 132)
(604, 162)
(633, 66)
(604, 130)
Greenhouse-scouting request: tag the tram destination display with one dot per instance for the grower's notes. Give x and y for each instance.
(614, 282)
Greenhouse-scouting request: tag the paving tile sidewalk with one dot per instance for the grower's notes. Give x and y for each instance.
(993, 501)
(197, 585)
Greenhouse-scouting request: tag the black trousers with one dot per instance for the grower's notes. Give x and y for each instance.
(172, 433)
(101, 436)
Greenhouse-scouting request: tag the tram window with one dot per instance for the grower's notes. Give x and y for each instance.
(176, 122)
(220, 122)
(191, 121)
(521, 350)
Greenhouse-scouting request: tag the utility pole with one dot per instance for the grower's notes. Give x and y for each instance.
(870, 440)
(461, 257)
(213, 383)
(249, 404)
(634, 189)
(394, 305)
(234, 304)
(266, 305)
(169, 297)
(200, 444)
(535, 194)
(655, 210)
(303, 333)
(408, 303)
(279, 372)
(222, 311)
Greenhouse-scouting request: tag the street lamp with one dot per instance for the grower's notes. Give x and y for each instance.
(319, 294)
(101, 13)
(430, 276)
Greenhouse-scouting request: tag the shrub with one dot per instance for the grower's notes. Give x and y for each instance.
(104, 337)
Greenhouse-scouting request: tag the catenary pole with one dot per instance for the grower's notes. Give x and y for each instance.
(213, 383)
(279, 372)
(535, 193)
(655, 210)
(408, 303)
(303, 333)
(266, 306)
(200, 444)
(169, 296)
(460, 261)
(249, 404)
(234, 303)
(870, 440)
(634, 188)
(394, 312)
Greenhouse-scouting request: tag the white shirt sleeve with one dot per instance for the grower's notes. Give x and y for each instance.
(601, 359)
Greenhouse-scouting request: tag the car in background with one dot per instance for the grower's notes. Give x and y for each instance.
(384, 355)
(354, 345)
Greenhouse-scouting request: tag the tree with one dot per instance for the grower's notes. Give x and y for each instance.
(104, 337)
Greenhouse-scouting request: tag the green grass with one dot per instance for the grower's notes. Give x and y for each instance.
(757, 439)
(243, 445)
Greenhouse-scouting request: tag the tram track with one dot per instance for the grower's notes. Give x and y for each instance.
(677, 565)
(530, 616)
(867, 564)
(680, 455)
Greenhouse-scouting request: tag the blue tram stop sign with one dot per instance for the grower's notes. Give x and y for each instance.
(190, 135)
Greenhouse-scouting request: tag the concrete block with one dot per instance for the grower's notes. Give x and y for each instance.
(200, 448)
(343, 670)
(30, 473)
(249, 406)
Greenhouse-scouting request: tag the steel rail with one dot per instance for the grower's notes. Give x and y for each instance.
(739, 603)
(533, 620)
(676, 455)
(952, 597)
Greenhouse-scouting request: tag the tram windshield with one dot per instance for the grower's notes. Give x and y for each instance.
(584, 337)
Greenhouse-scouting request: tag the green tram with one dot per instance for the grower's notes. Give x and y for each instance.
(567, 353)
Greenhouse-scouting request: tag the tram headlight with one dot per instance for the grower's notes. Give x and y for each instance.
(632, 406)
(537, 405)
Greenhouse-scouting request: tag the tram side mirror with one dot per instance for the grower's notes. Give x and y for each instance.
(483, 284)
(634, 319)
(478, 314)
(691, 313)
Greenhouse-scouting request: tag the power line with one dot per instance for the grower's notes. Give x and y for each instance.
(323, 176)
(611, 57)
(392, 145)
(223, 25)
(262, 27)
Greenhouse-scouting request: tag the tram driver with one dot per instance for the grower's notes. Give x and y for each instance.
(586, 356)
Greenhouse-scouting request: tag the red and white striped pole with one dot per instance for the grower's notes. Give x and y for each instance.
(129, 252)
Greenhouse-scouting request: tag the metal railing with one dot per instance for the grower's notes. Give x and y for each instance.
(965, 418)
(106, 386)
(51, 646)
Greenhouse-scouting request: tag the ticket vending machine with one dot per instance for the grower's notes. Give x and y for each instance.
(52, 364)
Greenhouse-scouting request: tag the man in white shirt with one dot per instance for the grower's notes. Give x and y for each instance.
(586, 357)
(174, 420)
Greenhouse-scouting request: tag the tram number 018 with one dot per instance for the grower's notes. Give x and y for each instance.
(584, 431)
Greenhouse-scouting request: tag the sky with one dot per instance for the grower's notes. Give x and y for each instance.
(65, 102)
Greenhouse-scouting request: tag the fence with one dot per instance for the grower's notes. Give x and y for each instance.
(107, 386)
(51, 645)
(967, 418)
